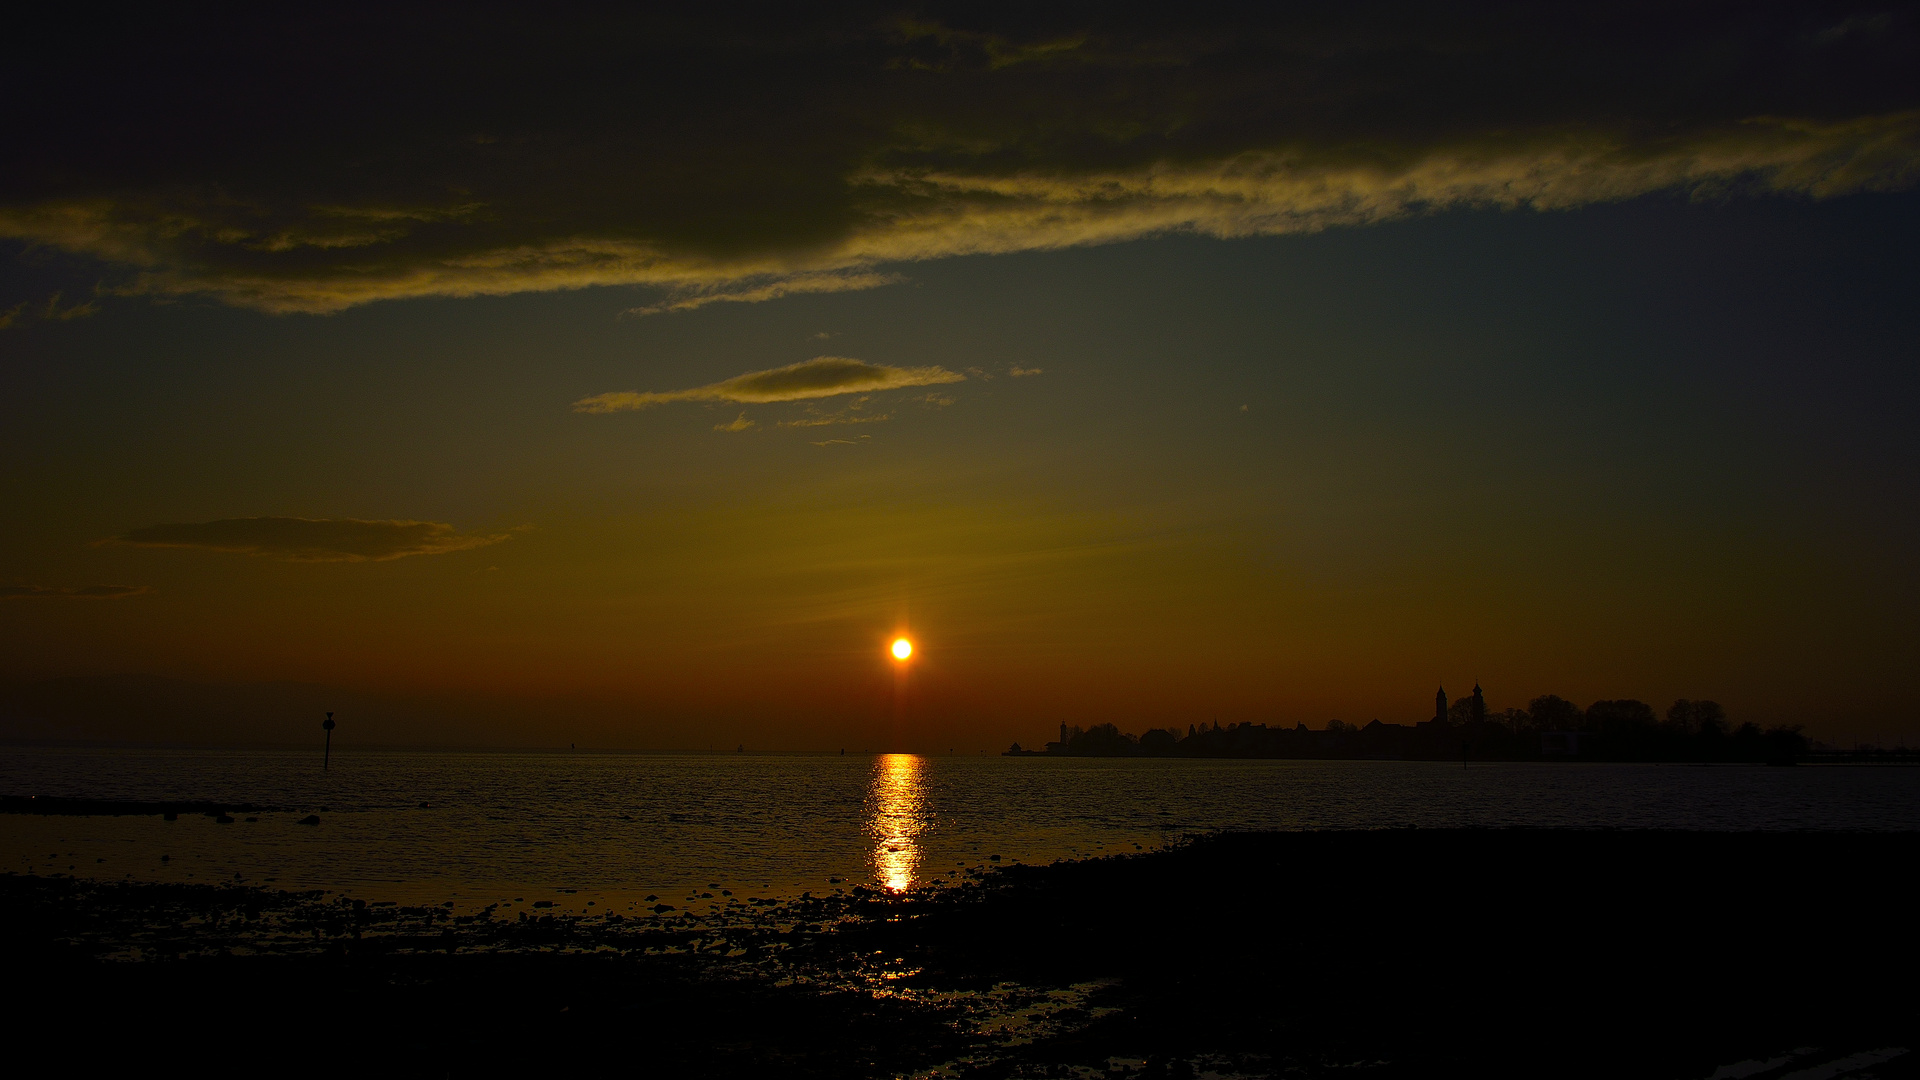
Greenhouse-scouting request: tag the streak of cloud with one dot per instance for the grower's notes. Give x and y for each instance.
(688, 298)
(820, 377)
(57, 313)
(311, 539)
(79, 592)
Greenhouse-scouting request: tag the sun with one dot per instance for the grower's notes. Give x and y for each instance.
(902, 648)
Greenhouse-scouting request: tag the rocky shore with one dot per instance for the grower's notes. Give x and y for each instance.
(1384, 953)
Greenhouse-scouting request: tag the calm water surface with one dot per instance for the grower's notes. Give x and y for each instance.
(614, 828)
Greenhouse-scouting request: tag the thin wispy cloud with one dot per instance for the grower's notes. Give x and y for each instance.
(689, 297)
(56, 313)
(311, 539)
(50, 311)
(72, 592)
(1023, 372)
(820, 377)
(738, 423)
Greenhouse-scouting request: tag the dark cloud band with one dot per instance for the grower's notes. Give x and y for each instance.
(313, 164)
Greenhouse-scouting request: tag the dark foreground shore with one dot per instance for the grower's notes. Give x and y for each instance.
(1380, 954)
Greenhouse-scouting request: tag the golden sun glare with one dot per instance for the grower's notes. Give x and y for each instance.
(902, 648)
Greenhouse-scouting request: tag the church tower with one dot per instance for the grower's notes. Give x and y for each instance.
(1440, 706)
(1479, 704)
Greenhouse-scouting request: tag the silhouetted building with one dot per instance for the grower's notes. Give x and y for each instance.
(1479, 713)
(1067, 735)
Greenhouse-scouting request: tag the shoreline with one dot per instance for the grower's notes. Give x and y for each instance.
(1304, 953)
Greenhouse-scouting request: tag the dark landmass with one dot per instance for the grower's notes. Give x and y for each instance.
(1549, 729)
(55, 805)
(1395, 953)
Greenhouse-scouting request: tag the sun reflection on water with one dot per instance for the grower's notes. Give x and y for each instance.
(896, 815)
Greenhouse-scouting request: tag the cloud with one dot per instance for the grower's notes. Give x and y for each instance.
(51, 311)
(843, 442)
(688, 297)
(826, 149)
(820, 377)
(311, 539)
(72, 311)
(1022, 372)
(738, 423)
(82, 592)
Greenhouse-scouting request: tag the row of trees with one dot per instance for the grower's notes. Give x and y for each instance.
(1550, 726)
(1624, 730)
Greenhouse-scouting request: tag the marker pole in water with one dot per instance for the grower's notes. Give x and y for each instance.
(326, 757)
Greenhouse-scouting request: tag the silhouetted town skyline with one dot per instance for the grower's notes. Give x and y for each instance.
(1550, 727)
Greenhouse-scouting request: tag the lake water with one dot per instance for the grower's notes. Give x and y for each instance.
(614, 829)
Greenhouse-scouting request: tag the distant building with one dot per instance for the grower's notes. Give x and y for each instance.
(1479, 713)
(1067, 735)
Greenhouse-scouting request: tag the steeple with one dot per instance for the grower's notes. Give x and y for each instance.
(1440, 706)
(1479, 704)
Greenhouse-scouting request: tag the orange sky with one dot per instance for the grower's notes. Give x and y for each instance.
(1138, 382)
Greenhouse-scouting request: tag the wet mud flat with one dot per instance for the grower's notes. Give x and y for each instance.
(1391, 953)
(55, 806)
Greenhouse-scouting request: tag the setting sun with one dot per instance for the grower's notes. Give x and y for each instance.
(902, 648)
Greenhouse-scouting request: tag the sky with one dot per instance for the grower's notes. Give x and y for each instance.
(632, 380)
